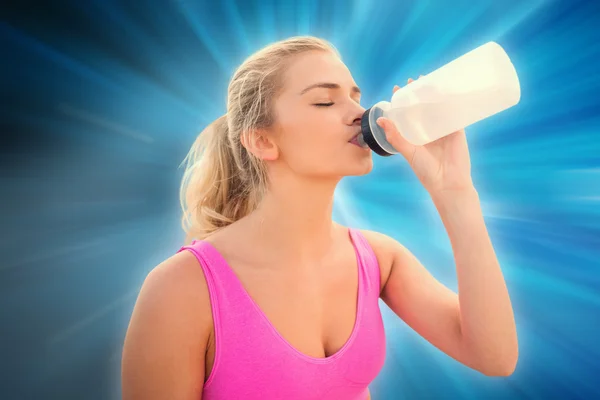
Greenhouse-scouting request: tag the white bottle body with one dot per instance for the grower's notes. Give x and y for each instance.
(479, 84)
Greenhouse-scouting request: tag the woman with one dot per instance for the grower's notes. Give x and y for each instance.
(272, 299)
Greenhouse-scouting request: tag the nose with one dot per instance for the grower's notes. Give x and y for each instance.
(357, 114)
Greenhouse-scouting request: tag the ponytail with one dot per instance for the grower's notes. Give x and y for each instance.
(213, 191)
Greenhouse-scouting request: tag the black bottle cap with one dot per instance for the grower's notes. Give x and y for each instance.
(367, 133)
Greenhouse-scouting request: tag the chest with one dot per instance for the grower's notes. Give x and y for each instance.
(312, 308)
(317, 312)
(328, 315)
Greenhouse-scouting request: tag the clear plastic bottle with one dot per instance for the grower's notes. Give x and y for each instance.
(481, 83)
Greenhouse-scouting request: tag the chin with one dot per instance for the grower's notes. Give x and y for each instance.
(360, 167)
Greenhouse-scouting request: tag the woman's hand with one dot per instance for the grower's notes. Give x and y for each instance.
(442, 165)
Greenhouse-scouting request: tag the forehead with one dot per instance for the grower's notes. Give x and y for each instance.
(316, 66)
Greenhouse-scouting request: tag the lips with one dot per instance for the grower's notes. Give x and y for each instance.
(353, 138)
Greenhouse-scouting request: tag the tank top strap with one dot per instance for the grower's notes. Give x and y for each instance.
(368, 262)
(223, 284)
(230, 304)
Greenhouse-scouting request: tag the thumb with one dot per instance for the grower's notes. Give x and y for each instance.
(395, 137)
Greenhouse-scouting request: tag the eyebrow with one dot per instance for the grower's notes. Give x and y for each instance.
(326, 85)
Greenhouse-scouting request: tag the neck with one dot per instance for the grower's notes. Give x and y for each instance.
(295, 219)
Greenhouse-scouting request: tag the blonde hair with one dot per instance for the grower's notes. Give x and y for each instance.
(222, 181)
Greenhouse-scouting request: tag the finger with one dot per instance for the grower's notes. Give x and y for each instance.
(410, 80)
(394, 137)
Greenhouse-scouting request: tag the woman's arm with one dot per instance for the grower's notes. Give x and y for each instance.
(475, 327)
(165, 345)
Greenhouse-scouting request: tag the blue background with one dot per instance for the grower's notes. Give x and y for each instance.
(101, 100)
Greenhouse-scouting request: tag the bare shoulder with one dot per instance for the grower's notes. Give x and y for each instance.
(182, 270)
(167, 337)
(177, 284)
(384, 247)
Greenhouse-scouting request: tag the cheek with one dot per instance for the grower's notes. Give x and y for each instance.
(302, 132)
(309, 143)
(298, 146)
(308, 137)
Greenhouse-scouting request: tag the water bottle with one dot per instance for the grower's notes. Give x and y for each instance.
(481, 83)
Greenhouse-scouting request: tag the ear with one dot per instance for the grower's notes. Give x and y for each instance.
(260, 143)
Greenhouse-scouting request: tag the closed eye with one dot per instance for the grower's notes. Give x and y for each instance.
(323, 104)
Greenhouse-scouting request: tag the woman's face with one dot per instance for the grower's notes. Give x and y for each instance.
(317, 113)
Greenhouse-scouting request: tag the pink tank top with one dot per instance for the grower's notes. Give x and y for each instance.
(253, 361)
